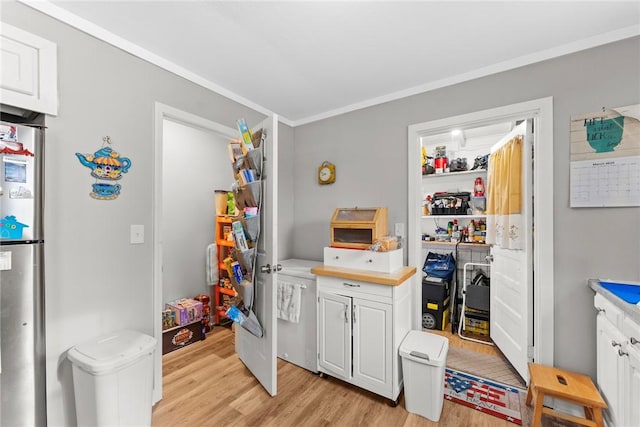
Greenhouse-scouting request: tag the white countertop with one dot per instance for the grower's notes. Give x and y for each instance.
(631, 310)
(298, 268)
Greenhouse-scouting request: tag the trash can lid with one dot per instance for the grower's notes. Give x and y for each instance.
(109, 353)
(424, 347)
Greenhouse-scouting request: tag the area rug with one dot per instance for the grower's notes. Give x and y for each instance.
(486, 396)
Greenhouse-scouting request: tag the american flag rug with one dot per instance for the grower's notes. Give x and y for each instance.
(486, 396)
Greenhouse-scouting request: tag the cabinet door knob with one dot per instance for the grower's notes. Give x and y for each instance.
(351, 285)
(633, 341)
(622, 353)
(600, 310)
(615, 344)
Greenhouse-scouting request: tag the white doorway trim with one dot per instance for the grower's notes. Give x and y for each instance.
(541, 110)
(164, 112)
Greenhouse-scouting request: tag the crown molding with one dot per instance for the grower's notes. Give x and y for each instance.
(100, 33)
(543, 55)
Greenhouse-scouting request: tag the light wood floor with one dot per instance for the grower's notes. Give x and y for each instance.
(205, 384)
(456, 341)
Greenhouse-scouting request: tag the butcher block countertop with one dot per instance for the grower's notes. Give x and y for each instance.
(390, 279)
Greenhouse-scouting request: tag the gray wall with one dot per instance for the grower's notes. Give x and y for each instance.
(369, 149)
(195, 163)
(96, 281)
(285, 192)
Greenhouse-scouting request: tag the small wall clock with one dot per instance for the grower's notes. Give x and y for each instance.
(326, 173)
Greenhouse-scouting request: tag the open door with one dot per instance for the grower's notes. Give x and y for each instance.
(511, 307)
(259, 354)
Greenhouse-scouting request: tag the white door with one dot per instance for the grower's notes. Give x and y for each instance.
(259, 354)
(511, 307)
(372, 345)
(334, 334)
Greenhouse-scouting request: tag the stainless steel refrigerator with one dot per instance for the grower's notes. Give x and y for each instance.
(22, 339)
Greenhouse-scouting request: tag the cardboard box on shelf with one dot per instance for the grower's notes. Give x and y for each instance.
(185, 310)
(239, 237)
(476, 321)
(181, 336)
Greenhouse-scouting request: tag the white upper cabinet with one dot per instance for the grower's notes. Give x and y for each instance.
(29, 74)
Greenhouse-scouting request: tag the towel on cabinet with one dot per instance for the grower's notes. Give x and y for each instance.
(289, 300)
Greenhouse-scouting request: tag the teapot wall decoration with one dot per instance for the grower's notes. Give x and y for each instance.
(108, 165)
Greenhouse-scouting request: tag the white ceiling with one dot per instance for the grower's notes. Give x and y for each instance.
(310, 60)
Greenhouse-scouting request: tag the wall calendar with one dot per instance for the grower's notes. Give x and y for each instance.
(605, 158)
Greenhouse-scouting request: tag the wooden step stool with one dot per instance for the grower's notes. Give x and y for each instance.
(565, 385)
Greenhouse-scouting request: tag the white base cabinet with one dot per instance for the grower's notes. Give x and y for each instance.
(334, 324)
(631, 389)
(360, 328)
(618, 363)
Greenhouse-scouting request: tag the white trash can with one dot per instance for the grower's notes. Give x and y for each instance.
(424, 356)
(113, 379)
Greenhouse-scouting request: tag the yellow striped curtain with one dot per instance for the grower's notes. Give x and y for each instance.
(504, 196)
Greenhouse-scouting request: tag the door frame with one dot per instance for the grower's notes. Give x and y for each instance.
(541, 110)
(165, 112)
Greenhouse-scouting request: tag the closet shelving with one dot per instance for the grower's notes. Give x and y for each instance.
(224, 246)
(437, 217)
(451, 244)
(463, 251)
(451, 174)
(444, 181)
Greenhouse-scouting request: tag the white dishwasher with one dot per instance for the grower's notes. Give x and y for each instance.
(298, 342)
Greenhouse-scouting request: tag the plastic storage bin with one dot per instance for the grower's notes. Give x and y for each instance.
(424, 357)
(113, 379)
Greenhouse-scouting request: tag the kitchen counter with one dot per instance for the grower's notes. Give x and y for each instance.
(390, 279)
(631, 310)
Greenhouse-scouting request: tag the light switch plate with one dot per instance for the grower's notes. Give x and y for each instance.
(399, 229)
(136, 235)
